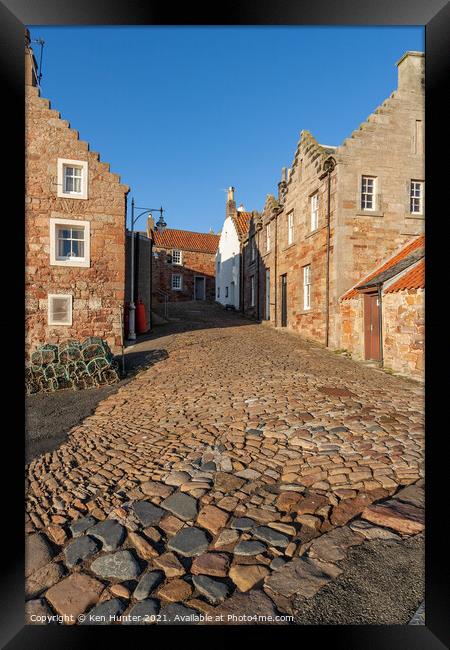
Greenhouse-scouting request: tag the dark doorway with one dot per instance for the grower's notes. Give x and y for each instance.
(372, 326)
(284, 300)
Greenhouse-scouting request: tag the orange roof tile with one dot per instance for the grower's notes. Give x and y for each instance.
(242, 222)
(413, 279)
(402, 254)
(185, 240)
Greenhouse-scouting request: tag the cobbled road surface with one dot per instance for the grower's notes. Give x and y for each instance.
(231, 478)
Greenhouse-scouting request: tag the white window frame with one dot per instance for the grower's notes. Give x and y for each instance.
(65, 162)
(84, 261)
(252, 291)
(307, 287)
(177, 275)
(179, 254)
(415, 197)
(314, 200)
(50, 297)
(365, 195)
(290, 233)
(268, 237)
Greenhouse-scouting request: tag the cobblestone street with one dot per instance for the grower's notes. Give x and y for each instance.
(231, 477)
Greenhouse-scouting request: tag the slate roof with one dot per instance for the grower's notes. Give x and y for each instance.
(413, 279)
(407, 256)
(186, 240)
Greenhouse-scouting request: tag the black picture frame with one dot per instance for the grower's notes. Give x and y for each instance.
(434, 15)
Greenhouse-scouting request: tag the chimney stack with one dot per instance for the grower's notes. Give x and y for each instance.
(150, 226)
(282, 186)
(411, 72)
(30, 62)
(231, 203)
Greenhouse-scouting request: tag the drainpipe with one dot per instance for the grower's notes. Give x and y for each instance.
(328, 166)
(151, 285)
(257, 281)
(276, 269)
(241, 279)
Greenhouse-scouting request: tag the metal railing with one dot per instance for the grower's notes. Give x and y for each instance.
(165, 295)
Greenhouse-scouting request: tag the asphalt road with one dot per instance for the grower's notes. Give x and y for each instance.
(383, 583)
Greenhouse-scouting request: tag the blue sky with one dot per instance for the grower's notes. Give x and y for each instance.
(181, 113)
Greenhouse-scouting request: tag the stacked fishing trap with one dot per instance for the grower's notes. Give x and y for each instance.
(71, 365)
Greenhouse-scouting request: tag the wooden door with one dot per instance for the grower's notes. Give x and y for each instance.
(372, 326)
(283, 300)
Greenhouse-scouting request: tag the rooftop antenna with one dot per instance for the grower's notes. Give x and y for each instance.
(40, 42)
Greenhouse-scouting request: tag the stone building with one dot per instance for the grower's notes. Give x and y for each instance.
(383, 315)
(183, 265)
(75, 230)
(339, 212)
(229, 289)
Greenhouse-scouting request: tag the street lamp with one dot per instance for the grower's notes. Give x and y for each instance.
(160, 226)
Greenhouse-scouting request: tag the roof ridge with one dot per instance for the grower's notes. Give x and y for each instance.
(193, 232)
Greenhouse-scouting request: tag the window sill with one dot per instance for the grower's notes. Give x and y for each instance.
(421, 217)
(288, 246)
(75, 263)
(314, 232)
(81, 196)
(369, 213)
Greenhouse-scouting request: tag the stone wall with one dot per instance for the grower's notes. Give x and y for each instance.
(404, 332)
(194, 263)
(97, 290)
(352, 326)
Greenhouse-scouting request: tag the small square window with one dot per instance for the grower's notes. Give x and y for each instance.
(416, 197)
(177, 283)
(69, 242)
(60, 309)
(368, 184)
(177, 257)
(72, 178)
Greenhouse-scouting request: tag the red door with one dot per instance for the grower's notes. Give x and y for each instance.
(372, 326)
